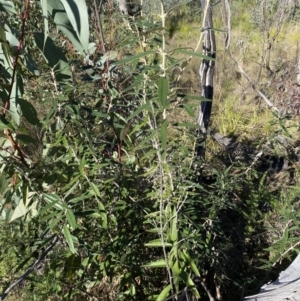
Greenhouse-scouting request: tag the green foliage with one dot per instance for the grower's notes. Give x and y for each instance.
(90, 155)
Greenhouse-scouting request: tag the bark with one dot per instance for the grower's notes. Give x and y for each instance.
(206, 73)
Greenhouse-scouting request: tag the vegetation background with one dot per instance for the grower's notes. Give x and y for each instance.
(99, 120)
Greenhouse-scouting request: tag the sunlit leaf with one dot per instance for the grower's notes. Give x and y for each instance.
(158, 243)
(69, 239)
(7, 6)
(19, 211)
(16, 94)
(161, 263)
(71, 219)
(164, 293)
(77, 13)
(95, 189)
(44, 4)
(56, 220)
(60, 17)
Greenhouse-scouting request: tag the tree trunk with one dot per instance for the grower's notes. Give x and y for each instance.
(206, 73)
(123, 6)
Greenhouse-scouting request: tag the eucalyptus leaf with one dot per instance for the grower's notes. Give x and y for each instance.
(61, 19)
(77, 13)
(7, 6)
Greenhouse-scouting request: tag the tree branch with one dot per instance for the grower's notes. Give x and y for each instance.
(30, 270)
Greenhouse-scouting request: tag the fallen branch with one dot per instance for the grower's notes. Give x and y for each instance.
(30, 270)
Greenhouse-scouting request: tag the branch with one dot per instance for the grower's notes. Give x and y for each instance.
(30, 270)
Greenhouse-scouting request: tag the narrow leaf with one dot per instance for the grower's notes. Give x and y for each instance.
(189, 110)
(71, 219)
(158, 243)
(164, 294)
(161, 263)
(60, 17)
(163, 136)
(55, 221)
(103, 214)
(77, 13)
(163, 91)
(191, 262)
(95, 189)
(173, 226)
(45, 16)
(69, 240)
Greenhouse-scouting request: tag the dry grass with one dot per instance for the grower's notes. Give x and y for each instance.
(237, 110)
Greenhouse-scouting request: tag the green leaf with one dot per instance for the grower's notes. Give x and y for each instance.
(82, 165)
(80, 198)
(11, 38)
(54, 201)
(25, 138)
(190, 283)
(175, 267)
(164, 293)
(29, 112)
(60, 18)
(69, 239)
(144, 108)
(163, 91)
(158, 243)
(7, 6)
(189, 110)
(103, 214)
(132, 58)
(95, 189)
(54, 56)
(55, 221)
(154, 230)
(173, 226)
(78, 16)
(71, 219)
(163, 137)
(192, 53)
(72, 185)
(161, 263)
(16, 94)
(183, 254)
(4, 124)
